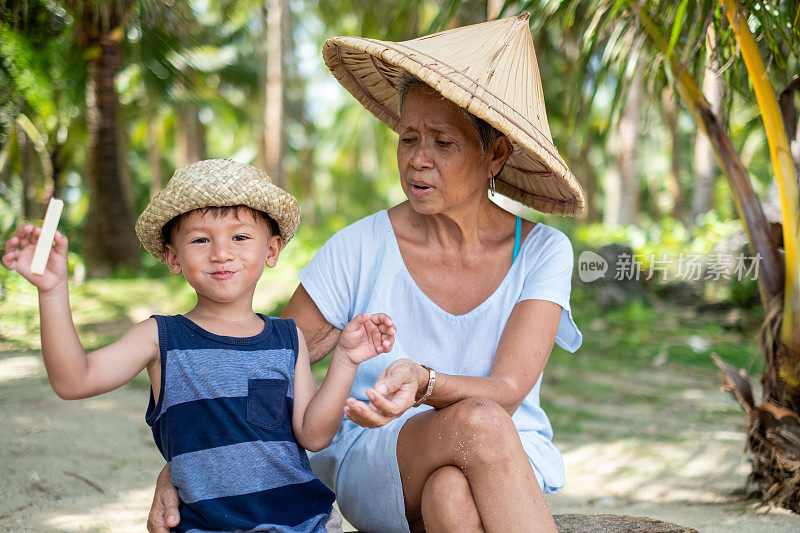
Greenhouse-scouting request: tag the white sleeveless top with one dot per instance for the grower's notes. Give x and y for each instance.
(360, 270)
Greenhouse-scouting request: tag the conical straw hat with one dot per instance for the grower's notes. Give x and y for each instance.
(215, 183)
(490, 70)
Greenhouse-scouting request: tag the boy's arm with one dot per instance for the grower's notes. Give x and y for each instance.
(74, 374)
(318, 413)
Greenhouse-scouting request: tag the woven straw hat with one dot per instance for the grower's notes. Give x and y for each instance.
(490, 70)
(216, 183)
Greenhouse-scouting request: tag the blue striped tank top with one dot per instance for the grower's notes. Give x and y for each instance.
(223, 422)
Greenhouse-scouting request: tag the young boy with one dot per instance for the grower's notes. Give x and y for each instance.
(233, 400)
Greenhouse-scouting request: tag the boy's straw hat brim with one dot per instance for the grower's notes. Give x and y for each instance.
(489, 69)
(216, 183)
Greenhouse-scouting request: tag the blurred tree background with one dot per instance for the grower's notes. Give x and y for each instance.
(100, 100)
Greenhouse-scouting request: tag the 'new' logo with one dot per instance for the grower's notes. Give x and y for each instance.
(591, 266)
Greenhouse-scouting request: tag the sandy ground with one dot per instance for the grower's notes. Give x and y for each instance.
(91, 465)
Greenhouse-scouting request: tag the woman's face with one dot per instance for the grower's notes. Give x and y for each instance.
(439, 154)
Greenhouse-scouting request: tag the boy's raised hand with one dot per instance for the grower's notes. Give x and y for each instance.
(18, 256)
(366, 336)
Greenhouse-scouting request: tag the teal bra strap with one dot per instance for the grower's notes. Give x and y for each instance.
(517, 238)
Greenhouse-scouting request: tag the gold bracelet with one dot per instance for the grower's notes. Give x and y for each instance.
(429, 390)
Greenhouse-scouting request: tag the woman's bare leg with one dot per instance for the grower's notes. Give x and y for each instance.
(447, 503)
(477, 437)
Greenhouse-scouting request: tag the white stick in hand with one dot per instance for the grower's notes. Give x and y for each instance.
(45, 242)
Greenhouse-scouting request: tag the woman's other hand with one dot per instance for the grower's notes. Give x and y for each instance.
(164, 510)
(393, 393)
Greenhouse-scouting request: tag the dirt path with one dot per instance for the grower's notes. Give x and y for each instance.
(91, 465)
(687, 465)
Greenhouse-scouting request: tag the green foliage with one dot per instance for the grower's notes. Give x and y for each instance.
(668, 243)
(595, 46)
(10, 196)
(668, 236)
(205, 54)
(341, 159)
(656, 334)
(743, 293)
(609, 36)
(10, 283)
(41, 101)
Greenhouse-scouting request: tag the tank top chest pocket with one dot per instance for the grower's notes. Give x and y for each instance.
(266, 402)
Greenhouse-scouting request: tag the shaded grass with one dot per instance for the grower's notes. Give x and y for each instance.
(102, 309)
(644, 371)
(634, 335)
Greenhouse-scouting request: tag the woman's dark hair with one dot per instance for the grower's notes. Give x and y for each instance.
(486, 132)
(168, 230)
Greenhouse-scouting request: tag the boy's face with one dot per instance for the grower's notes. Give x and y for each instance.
(222, 257)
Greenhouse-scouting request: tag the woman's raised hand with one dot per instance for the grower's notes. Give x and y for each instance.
(366, 336)
(393, 393)
(18, 257)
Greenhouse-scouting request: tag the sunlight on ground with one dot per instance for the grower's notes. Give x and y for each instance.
(691, 483)
(128, 513)
(656, 471)
(21, 367)
(91, 465)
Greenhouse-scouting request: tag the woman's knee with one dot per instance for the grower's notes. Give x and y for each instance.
(484, 435)
(447, 502)
(482, 423)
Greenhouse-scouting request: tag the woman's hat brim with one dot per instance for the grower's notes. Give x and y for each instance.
(535, 174)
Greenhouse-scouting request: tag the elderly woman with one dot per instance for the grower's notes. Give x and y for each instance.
(445, 433)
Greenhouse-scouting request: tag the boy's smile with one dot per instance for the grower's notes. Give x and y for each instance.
(223, 274)
(222, 257)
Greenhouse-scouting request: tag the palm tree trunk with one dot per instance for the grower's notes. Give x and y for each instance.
(774, 426)
(260, 126)
(774, 432)
(57, 162)
(27, 173)
(705, 168)
(622, 190)
(302, 173)
(190, 137)
(154, 156)
(673, 182)
(110, 241)
(790, 123)
(274, 138)
(783, 167)
(589, 180)
(5, 167)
